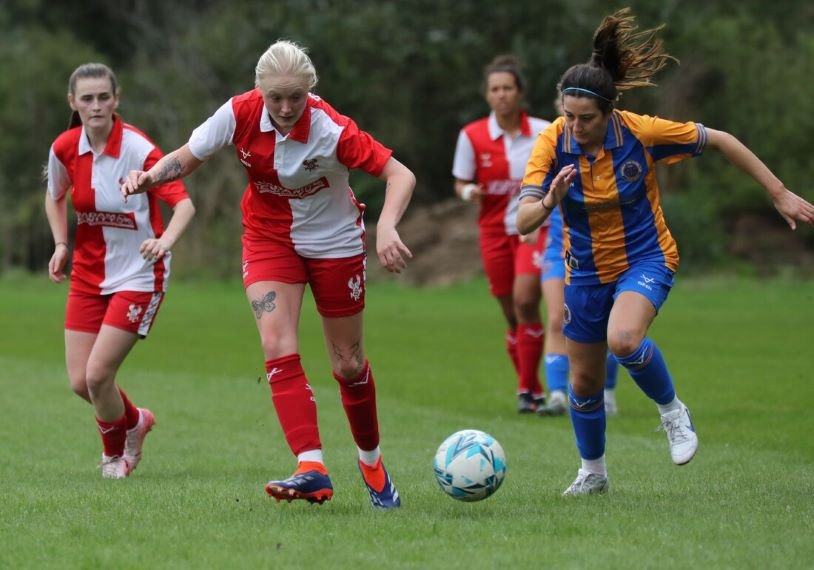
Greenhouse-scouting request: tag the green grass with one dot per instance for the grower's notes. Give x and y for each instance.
(741, 353)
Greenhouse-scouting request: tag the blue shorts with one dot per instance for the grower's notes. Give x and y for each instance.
(588, 307)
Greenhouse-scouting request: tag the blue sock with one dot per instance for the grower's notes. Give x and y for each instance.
(556, 372)
(646, 366)
(588, 419)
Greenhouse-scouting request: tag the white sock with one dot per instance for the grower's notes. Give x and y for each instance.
(596, 466)
(311, 455)
(370, 458)
(671, 407)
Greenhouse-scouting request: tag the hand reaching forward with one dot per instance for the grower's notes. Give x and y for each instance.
(137, 181)
(793, 207)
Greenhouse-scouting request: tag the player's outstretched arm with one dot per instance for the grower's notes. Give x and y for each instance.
(792, 207)
(173, 166)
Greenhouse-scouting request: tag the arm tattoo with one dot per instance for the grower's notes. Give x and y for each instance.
(170, 171)
(264, 305)
(354, 354)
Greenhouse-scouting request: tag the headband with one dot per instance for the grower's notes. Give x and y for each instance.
(588, 91)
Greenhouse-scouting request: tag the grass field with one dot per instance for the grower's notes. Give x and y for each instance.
(741, 354)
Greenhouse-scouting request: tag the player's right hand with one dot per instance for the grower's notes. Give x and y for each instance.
(137, 181)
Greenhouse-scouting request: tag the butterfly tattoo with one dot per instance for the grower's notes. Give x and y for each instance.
(264, 305)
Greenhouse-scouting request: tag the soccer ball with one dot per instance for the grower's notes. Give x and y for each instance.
(470, 465)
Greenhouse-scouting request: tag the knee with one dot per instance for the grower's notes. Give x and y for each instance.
(277, 346)
(346, 371)
(623, 342)
(97, 376)
(584, 384)
(79, 386)
(527, 309)
(555, 321)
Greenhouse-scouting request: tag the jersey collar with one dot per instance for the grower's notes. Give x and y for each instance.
(613, 136)
(495, 132)
(113, 147)
(301, 128)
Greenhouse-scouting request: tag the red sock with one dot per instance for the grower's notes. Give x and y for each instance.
(294, 401)
(113, 435)
(359, 401)
(130, 411)
(511, 348)
(529, 353)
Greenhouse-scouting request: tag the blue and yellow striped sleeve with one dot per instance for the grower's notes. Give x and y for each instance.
(542, 164)
(667, 141)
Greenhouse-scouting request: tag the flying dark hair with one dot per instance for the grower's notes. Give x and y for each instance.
(507, 63)
(622, 58)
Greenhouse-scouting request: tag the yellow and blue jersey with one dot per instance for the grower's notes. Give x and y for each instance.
(612, 214)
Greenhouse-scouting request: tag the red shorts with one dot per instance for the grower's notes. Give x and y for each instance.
(338, 285)
(504, 257)
(132, 311)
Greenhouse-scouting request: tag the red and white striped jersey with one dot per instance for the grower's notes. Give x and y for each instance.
(486, 154)
(298, 193)
(109, 231)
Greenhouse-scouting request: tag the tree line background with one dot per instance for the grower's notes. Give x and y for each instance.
(409, 72)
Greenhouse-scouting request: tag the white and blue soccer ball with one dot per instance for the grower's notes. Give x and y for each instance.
(470, 465)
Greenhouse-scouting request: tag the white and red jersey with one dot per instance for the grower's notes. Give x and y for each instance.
(109, 231)
(298, 193)
(497, 161)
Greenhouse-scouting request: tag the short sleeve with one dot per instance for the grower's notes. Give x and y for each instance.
(358, 149)
(463, 164)
(541, 164)
(214, 134)
(59, 181)
(667, 141)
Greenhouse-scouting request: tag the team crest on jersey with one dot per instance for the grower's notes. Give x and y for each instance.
(631, 171)
(133, 313)
(355, 286)
(309, 164)
(244, 157)
(486, 160)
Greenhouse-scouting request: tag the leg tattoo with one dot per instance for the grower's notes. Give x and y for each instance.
(264, 305)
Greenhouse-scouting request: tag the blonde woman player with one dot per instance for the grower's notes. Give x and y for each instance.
(303, 225)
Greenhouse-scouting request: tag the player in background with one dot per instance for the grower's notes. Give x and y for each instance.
(596, 164)
(490, 158)
(121, 260)
(555, 358)
(303, 225)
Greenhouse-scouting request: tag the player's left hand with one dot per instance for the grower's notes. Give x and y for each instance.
(153, 249)
(794, 208)
(391, 251)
